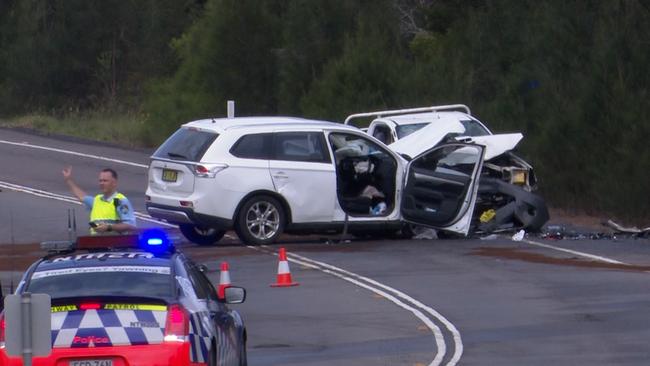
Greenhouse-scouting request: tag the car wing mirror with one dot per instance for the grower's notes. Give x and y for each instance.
(234, 295)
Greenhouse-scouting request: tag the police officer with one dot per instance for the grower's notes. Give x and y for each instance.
(109, 211)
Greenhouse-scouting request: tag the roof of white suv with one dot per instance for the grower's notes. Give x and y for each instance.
(222, 124)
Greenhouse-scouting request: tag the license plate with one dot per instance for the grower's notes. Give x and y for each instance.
(169, 175)
(91, 363)
(519, 177)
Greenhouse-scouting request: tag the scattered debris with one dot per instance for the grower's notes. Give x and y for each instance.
(519, 235)
(627, 230)
(422, 232)
(490, 237)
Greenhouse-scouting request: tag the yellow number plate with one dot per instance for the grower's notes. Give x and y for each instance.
(169, 175)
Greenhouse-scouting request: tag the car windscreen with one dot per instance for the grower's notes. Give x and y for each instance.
(186, 144)
(137, 281)
(472, 128)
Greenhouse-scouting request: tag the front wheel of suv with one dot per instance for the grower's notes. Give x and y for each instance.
(201, 235)
(260, 220)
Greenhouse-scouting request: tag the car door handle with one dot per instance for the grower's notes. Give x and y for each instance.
(280, 175)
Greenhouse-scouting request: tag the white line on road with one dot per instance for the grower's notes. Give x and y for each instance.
(98, 157)
(69, 199)
(397, 297)
(575, 252)
(458, 343)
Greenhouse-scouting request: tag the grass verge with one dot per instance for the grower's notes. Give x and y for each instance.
(121, 129)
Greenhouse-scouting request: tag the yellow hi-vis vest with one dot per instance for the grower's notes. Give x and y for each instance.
(105, 211)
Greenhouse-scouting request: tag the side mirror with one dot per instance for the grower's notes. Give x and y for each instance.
(235, 295)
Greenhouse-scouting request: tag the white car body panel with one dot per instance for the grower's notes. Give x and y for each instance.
(309, 188)
(496, 144)
(426, 137)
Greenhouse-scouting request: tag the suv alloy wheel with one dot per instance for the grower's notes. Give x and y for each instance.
(260, 220)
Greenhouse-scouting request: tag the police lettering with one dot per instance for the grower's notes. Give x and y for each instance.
(90, 339)
(100, 256)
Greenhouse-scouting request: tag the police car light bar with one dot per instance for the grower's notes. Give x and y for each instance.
(107, 241)
(153, 240)
(58, 246)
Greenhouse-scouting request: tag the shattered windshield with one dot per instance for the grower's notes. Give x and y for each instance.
(472, 128)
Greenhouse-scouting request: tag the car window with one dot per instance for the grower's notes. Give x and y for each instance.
(254, 146)
(349, 145)
(202, 286)
(382, 133)
(300, 146)
(405, 130)
(138, 281)
(472, 128)
(187, 144)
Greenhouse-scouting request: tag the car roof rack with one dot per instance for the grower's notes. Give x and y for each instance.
(409, 110)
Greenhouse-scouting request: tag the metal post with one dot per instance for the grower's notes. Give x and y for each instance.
(26, 313)
(231, 108)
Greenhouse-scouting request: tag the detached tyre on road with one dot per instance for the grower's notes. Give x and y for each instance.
(201, 235)
(260, 220)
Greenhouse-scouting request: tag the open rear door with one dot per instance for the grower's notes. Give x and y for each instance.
(440, 187)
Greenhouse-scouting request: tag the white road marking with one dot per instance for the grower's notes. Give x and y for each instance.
(70, 199)
(98, 157)
(458, 343)
(575, 252)
(397, 297)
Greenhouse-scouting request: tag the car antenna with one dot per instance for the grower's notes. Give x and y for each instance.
(13, 246)
(72, 224)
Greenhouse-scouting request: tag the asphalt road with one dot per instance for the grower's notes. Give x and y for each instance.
(386, 302)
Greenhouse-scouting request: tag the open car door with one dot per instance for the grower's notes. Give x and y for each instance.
(441, 185)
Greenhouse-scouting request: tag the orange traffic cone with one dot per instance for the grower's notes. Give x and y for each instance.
(224, 280)
(284, 274)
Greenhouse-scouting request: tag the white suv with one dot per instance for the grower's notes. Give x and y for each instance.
(264, 176)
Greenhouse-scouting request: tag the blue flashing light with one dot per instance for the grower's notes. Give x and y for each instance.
(155, 241)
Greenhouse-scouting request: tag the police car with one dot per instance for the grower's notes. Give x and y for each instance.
(132, 300)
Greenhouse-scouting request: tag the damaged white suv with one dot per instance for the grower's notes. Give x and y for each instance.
(263, 176)
(506, 198)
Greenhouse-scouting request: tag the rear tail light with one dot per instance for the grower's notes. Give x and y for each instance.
(208, 170)
(3, 325)
(177, 327)
(90, 306)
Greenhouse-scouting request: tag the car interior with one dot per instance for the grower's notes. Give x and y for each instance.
(365, 176)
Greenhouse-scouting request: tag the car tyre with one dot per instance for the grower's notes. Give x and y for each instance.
(243, 360)
(212, 358)
(260, 220)
(201, 235)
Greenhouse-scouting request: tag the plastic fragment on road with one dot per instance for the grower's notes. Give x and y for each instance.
(490, 237)
(626, 230)
(519, 235)
(425, 233)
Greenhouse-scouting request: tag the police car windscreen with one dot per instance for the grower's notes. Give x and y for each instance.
(137, 281)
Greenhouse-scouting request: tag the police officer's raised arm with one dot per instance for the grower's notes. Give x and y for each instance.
(74, 188)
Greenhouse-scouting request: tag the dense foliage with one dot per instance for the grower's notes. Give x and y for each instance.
(570, 75)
